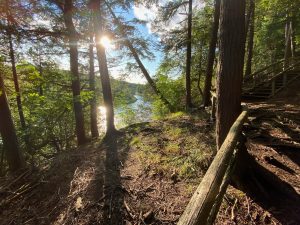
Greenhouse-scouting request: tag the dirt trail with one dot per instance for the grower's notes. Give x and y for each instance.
(273, 139)
(276, 146)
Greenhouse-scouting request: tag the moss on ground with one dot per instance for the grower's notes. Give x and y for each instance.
(181, 145)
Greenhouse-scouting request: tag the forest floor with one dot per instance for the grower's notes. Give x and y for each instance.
(147, 174)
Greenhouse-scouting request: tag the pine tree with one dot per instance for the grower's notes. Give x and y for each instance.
(67, 9)
(135, 55)
(8, 133)
(211, 54)
(189, 57)
(93, 113)
(98, 20)
(250, 38)
(229, 80)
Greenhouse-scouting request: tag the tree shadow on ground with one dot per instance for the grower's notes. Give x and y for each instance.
(103, 196)
(108, 188)
(288, 149)
(82, 186)
(292, 153)
(268, 190)
(113, 191)
(76, 185)
(46, 204)
(286, 122)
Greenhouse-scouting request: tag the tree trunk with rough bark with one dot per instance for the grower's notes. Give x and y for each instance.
(232, 51)
(248, 176)
(15, 79)
(293, 38)
(189, 58)
(73, 50)
(250, 38)
(93, 113)
(288, 52)
(104, 75)
(8, 133)
(40, 68)
(211, 55)
(247, 17)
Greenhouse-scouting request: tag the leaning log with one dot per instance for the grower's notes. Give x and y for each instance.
(201, 203)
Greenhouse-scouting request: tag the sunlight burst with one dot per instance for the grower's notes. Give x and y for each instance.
(106, 42)
(102, 110)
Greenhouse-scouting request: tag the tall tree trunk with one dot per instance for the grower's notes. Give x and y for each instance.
(250, 38)
(10, 21)
(293, 41)
(138, 60)
(200, 71)
(248, 175)
(211, 54)
(16, 81)
(73, 49)
(288, 42)
(8, 133)
(232, 51)
(41, 90)
(147, 75)
(40, 67)
(248, 17)
(189, 57)
(104, 75)
(93, 113)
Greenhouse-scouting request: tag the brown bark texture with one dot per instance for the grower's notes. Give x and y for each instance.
(13, 153)
(229, 80)
(104, 75)
(94, 110)
(250, 38)
(189, 57)
(12, 56)
(73, 50)
(211, 54)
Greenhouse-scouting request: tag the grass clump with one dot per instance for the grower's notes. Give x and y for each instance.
(135, 141)
(172, 148)
(173, 132)
(176, 115)
(179, 147)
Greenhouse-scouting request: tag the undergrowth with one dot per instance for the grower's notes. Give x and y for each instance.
(176, 146)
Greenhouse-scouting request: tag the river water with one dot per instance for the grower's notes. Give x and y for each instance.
(137, 112)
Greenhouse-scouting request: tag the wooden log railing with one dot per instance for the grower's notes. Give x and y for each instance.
(282, 75)
(268, 72)
(264, 70)
(206, 200)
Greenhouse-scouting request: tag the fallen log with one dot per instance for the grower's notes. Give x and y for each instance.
(201, 203)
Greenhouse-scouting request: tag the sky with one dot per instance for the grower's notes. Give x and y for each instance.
(149, 14)
(142, 13)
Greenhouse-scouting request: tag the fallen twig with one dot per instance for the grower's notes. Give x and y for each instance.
(232, 209)
(15, 180)
(128, 210)
(27, 189)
